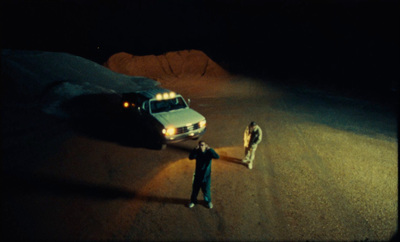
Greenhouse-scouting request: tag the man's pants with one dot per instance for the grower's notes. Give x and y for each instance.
(205, 188)
(249, 154)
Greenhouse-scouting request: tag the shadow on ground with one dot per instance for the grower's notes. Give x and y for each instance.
(232, 160)
(349, 114)
(55, 186)
(101, 116)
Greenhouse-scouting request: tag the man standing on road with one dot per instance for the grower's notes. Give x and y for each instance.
(202, 175)
(252, 137)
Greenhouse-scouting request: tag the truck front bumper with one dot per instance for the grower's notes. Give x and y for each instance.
(194, 134)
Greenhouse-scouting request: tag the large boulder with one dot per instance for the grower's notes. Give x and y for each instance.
(171, 65)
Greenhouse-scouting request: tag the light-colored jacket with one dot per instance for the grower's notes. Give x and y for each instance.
(252, 138)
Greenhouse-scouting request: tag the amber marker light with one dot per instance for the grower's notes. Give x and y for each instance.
(126, 104)
(202, 123)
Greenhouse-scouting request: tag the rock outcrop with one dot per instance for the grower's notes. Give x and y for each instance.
(171, 65)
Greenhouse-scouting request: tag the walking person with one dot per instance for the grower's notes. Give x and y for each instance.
(252, 137)
(202, 175)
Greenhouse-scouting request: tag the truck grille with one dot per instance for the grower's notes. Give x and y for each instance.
(185, 129)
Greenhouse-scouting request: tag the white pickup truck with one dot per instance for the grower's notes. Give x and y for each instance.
(165, 114)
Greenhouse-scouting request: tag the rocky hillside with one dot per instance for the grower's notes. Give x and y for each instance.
(171, 65)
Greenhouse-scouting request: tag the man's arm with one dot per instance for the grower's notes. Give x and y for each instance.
(246, 138)
(213, 153)
(259, 136)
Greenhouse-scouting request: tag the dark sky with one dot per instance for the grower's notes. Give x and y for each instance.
(343, 41)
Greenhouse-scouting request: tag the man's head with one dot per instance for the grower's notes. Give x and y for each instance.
(202, 145)
(252, 125)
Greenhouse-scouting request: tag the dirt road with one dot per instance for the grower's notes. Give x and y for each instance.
(325, 170)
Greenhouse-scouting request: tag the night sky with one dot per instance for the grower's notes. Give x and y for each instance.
(345, 43)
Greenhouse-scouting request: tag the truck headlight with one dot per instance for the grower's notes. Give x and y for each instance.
(202, 124)
(169, 131)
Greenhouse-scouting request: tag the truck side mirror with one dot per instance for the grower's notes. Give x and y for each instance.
(188, 101)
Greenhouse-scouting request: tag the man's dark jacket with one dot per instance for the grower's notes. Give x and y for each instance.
(203, 163)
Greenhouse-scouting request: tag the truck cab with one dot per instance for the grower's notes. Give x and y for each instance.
(165, 114)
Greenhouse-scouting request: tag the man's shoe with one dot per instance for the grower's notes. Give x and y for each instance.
(250, 166)
(191, 205)
(210, 205)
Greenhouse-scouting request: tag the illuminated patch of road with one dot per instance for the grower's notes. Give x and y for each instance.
(316, 183)
(335, 184)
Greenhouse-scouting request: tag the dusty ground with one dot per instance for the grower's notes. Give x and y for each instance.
(326, 170)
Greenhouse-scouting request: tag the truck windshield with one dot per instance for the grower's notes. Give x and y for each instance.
(159, 106)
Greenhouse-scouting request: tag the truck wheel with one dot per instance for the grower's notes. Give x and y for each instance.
(159, 145)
